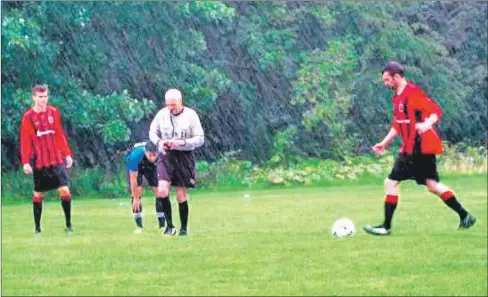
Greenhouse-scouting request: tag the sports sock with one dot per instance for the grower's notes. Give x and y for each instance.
(160, 211)
(167, 211)
(391, 202)
(451, 201)
(183, 207)
(37, 208)
(66, 204)
(138, 216)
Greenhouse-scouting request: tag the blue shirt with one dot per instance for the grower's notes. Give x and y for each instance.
(134, 157)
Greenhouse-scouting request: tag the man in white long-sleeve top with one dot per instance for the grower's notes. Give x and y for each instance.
(177, 131)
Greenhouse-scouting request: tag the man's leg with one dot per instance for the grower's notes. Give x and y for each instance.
(65, 195)
(441, 190)
(163, 195)
(391, 201)
(37, 198)
(164, 186)
(159, 208)
(183, 208)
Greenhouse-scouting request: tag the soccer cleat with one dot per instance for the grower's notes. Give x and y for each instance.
(380, 230)
(468, 222)
(37, 232)
(138, 230)
(68, 230)
(169, 231)
(183, 232)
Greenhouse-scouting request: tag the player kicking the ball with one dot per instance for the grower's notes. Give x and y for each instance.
(414, 118)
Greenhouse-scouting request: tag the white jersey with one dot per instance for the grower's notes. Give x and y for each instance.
(186, 126)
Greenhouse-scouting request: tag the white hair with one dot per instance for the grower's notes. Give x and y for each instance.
(173, 94)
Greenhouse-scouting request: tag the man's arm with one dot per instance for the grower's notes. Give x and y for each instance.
(26, 132)
(136, 194)
(379, 147)
(198, 136)
(154, 132)
(61, 140)
(425, 104)
(132, 165)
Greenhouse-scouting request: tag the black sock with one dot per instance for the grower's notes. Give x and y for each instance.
(454, 204)
(66, 204)
(389, 210)
(37, 207)
(183, 206)
(138, 215)
(167, 211)
(160, 211)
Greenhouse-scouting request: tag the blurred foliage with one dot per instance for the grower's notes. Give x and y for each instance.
(275, 83)
(229, 172)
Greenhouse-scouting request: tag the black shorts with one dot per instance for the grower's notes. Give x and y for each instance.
(416, 167)
(178, 167)
(147, 170)
(50, 178)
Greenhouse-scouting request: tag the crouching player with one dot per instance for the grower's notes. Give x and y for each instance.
(141, 161)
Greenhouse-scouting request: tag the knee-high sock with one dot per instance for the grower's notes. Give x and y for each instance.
(451, 201)
(160, 212)
(66, 204)
(183, 207)
(37, 209)
(167, 211)
(391, 202)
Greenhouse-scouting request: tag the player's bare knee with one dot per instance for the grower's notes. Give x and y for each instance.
(181, 195)
(162, 192)
(64, 191)
(391, 187)
(36, 197)
(431, 185)
(389, 183)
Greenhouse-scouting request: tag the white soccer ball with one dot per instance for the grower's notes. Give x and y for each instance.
(343, 228)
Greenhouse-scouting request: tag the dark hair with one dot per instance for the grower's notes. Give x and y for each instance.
(393, 67)
(150, 147)
(39, 88)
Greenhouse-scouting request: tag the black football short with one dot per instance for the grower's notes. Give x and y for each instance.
(147, 170)
(416, 167)
(178, 167)
(50, 178)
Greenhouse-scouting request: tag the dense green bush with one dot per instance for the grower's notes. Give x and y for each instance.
(230, 173)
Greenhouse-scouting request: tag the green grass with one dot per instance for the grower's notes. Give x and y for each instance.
(276, 242)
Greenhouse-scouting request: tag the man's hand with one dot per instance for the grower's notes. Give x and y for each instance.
(69, 162)
(379, 148)
(136, 204)
(174, 143)
(422, 127)
(27, 169)
(161, 146)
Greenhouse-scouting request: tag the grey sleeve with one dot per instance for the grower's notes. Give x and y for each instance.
(197, 135)
(154, 131)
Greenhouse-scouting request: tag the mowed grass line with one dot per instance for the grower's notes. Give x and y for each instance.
(275, 242)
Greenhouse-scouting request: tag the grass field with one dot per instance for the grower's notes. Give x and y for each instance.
(274, 242)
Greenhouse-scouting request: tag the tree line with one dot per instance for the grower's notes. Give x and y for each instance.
(254, 71)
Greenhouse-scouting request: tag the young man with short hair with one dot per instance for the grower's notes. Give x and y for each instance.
(45, 153)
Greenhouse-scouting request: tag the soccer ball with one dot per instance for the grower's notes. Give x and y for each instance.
(343, 228)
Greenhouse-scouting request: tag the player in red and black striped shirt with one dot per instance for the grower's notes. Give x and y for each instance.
(45, 153)
(414, 117)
